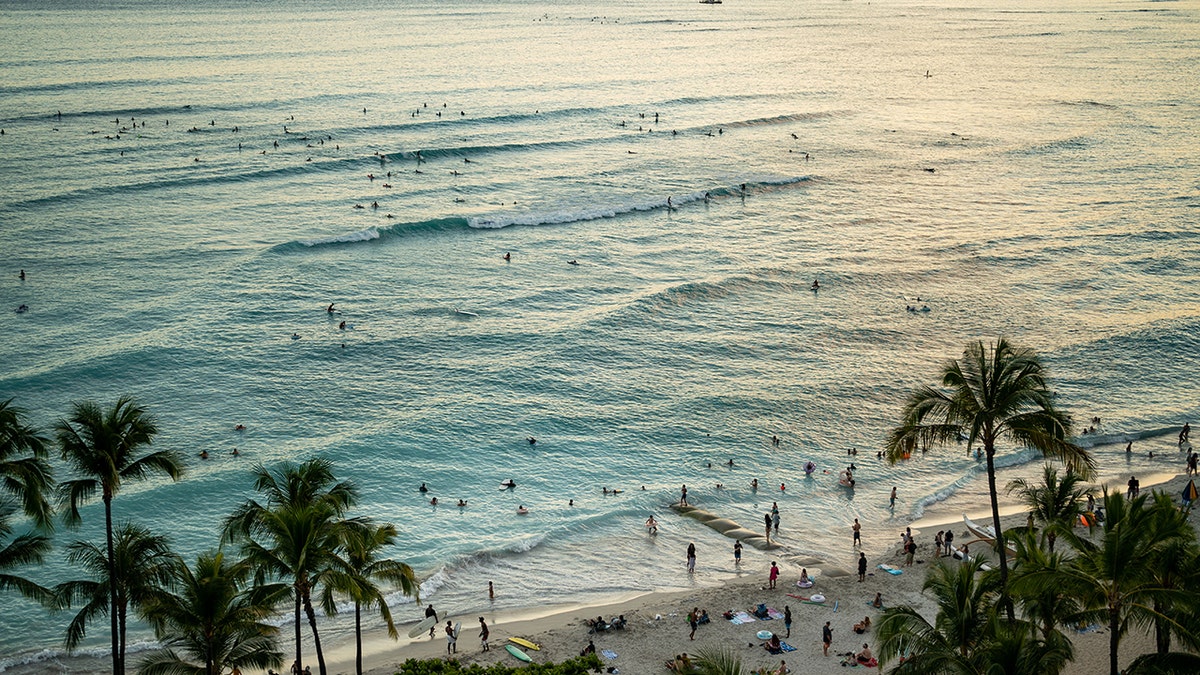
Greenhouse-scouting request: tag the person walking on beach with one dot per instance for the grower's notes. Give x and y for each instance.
(451, 638)
(693, 623)
(774, 575)
(737, 553)
(1134, 487)
(826, 638)
(862, 567)
(683, 496)
(857, 530)
(483, 634)
(787, 620)
(429, 612)
(893, 500)
(949, 541)
(691, 558)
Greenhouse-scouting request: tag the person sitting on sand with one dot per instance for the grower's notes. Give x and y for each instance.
(864, 656)
(783, 668)
(877, 603)
(862, 626)
(703, 618)
(805, 581)
(589, 649)
(772, 645)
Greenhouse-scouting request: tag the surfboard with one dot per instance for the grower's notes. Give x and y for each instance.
(463, 312)
(422, 626)
(457, 629)
(515, 651)
(504, 485)
(525, 643)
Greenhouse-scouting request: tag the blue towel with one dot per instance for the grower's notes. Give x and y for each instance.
(608, 654)
(786, 647)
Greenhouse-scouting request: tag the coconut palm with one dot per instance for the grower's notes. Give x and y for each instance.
(141, 566)
(101, 447)
(26, 479)
(1176, 568)
(24, 473)
(1114, 577)
(717, 661)
(295, 534)
(363, 568)
(967, 637)
(1047, 605)
(1055, 502)
(213, 620)
(993, 394)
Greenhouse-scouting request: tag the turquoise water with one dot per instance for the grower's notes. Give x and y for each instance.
(1061, 211)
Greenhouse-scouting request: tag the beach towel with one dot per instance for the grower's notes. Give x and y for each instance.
(890, 570)
(741, 618)
(774, 613)
(783, 646)
(871, 604)
(608, 654)
(1088, 629)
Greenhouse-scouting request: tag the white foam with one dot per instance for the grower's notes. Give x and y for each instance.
(362, 235)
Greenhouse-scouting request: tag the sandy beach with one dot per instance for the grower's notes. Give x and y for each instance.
(657, 627)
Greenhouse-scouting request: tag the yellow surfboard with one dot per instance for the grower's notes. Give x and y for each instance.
(525, 643)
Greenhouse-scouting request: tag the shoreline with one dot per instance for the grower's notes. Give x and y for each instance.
(657, 629)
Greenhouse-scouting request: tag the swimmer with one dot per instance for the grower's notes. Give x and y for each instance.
(532, 440)
(433, 502)
(342, 326)
(22, 309)
(203, 454)
(730, 462)
(754, 484)
(462, 503)
(507, 256)
(235, 452)
(652, 525)
(240, 427)
(521, 510)
(295, 336)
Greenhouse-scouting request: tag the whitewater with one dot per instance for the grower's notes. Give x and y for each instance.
(188, 186)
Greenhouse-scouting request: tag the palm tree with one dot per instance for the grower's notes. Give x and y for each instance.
(101, 447)
(1055, 503)
(296, 534)
(967, 637)
(141, 566)
(215, 617)
(24, 473)
(1114, 578)
(362, 542)
(717, 661)
(1176, 567)
(1047, 605)
(25, 481)
(992, 394)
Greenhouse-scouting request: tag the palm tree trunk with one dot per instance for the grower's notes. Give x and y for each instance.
(112, 585)
(1114, 639)
(357, 639)
(990, 451)
(299, 663)
(1162, 636)
(123, 608)
(312, 622)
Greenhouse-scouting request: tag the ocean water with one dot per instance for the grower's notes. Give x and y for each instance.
(1019, 170)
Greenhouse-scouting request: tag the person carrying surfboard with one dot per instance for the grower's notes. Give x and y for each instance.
(451, 639)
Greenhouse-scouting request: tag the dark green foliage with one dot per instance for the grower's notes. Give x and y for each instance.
(577, 666)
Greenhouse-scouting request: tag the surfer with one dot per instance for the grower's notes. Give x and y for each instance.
(342, 326)
(22, 309)
(462, 503)
(295, 336)
(572, 262)
(423, 489)
(203, 454)
(532, 440)
(240, 427)
(429, 612)
(521, 510)
(816, 285)
(21, 276)
(451, 638)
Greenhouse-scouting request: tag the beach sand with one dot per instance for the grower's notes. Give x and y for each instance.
(657, 626)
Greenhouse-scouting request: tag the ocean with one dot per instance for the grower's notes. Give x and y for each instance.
(188, 186)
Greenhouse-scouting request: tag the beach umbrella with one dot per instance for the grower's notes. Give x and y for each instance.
(1190, 493)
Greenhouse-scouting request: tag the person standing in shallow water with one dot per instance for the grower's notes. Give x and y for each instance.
(691, 558)
(862, 567)
(857, 530)
(683, 496)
